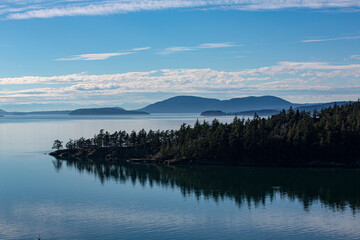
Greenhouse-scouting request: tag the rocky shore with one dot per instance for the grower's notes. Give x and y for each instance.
(111, 155)
(95, 153)
(126, 154)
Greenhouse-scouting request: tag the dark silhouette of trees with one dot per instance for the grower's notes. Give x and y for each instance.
(57, 145)
(290, 138)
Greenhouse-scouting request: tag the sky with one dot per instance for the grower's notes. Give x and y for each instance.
(68, 54)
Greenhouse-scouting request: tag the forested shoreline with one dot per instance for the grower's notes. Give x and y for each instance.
(330, 137)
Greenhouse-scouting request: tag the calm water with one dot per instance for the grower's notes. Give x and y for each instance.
(68, 200)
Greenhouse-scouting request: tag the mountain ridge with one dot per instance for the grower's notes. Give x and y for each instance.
(193, 104)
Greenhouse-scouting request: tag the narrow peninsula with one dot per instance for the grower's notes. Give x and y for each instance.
(329, 138)
(264, 112)
(105, 111)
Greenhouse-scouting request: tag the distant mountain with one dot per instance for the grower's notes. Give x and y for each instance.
(254, 103)
(318, 106)
(104, 111)
(191, 104)
(182, 104)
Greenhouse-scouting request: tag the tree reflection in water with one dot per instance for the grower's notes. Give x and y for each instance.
(334, 188)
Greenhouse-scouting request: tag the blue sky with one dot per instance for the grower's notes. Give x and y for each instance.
(67, 54)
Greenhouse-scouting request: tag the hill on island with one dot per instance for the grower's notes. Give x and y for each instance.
(104, 111)
(63, 112)
(264, 105)
(191, 104)
(319, 106)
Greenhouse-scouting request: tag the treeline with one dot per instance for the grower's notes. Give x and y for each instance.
(328, 137)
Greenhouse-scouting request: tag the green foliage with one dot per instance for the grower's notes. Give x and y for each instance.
(288, 138)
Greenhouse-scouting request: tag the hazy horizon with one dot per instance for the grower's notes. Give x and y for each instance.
(48, 107)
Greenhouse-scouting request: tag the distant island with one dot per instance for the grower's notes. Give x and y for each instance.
(265, 112)
(105, 111)
(85, 111)
(192, 104)
(2, 112)
(329, 138)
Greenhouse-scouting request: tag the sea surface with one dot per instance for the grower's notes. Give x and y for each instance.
(82, 200)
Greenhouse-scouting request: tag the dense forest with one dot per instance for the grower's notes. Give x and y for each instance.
(330, 137)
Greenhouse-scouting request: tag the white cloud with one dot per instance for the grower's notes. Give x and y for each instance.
(296, 67)
(199, 47)
(101, 56)
(296, 79)
(48, 9)
(140, 49)
(356, 57)
(197, 77)
(217, 45)
(330, 39)
(177, 49)
(93, 56)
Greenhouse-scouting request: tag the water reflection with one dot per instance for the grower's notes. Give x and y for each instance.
(336, 189)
